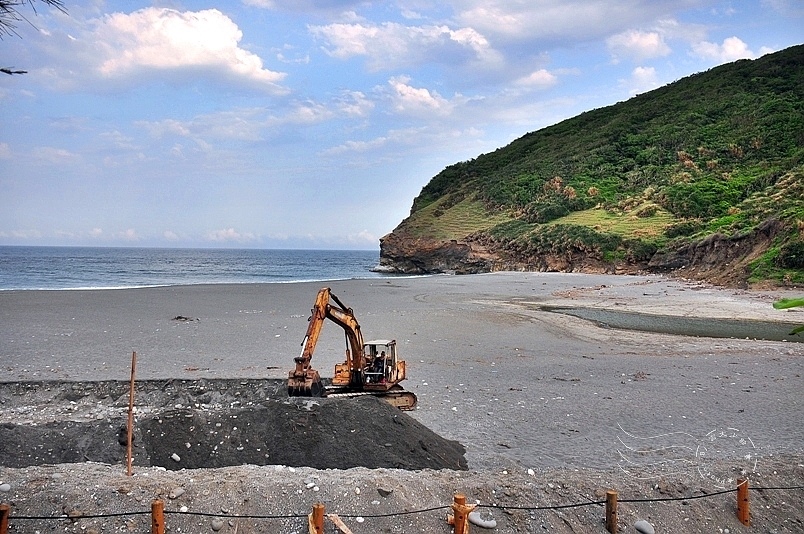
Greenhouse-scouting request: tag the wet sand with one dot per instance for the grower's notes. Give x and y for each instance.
(513, 383)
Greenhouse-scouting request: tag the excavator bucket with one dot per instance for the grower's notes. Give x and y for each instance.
(305, 384)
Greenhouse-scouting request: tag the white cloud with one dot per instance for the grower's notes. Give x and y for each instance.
(126, 47)
(637, 45)
(556, 21)
(230, 235)
(417, 100)
(789, 8)
(308, 6)
(642, 79)
(170, 235)
(249, 124)
(670, 28)
(5, 151)
(96, 232)
(732, 49)
(363, 237)
(21, 234)
(128, 235)
(53, 155)
(393, 137)
(541, 78)
(355, 104)
(356, 146)
(391, 45)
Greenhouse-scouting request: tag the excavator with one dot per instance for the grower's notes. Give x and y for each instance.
(370, 368)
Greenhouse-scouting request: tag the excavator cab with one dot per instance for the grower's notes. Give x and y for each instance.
(380, 363)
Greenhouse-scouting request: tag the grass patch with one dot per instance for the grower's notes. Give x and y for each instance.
(626, 224)
(455, 222)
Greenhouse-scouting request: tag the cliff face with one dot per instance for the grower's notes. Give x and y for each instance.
(405, 255)
(718, 259)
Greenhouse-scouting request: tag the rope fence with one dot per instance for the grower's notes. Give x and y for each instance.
(459, 516)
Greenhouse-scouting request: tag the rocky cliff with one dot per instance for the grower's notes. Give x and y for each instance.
(717, 258)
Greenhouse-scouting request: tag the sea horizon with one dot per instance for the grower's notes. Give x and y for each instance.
(42, 267)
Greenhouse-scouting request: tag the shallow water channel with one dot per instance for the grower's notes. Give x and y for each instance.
(686, 326)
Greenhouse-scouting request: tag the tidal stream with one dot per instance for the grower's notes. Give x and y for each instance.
(686, 326)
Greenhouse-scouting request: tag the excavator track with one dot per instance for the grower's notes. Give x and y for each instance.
(396, 396)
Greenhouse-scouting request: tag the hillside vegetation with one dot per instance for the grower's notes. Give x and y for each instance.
(719, 153)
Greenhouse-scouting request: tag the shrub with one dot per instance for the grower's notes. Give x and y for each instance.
(791, 256)
(685, 228)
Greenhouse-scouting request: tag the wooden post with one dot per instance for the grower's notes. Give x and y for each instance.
(157, 517)
(316, 519)
(611, 511)
(743, 509)
(5, 511)
(460, 514)
(130, 437)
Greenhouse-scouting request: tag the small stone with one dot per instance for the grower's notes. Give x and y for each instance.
(175, 493)
(385, 492)
(357, 491)
(5, 488)
(176, 457)
(217, 524)
(183, 509)
(643, 527)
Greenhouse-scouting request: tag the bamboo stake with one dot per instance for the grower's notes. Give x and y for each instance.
(130, 436)
(611, 511)
(157, 517)
(743, 508)
(460, 514)
(315, 521)
(5, 510)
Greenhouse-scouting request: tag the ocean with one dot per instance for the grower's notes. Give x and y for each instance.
(56, 268)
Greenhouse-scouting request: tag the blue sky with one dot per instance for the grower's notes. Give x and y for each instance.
(313, 123)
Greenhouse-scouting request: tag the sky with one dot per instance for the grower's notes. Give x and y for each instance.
(313, 124)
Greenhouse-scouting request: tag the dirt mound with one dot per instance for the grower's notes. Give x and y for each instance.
(200, 424)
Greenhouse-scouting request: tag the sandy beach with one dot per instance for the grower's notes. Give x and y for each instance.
(520, 386)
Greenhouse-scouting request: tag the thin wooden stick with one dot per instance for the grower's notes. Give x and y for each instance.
(743, 508)
(611, 511)
(130, 437)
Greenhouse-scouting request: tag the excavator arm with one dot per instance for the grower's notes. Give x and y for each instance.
(303, 380)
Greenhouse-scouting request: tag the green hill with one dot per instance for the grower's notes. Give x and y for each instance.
(659, 182)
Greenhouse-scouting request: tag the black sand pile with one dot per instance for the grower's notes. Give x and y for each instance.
(200, 424)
